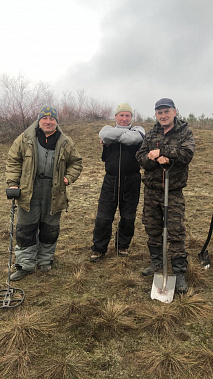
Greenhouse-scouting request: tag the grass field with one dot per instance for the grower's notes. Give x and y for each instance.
(86, 320)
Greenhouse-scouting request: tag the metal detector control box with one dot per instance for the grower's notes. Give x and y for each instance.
(13, 193)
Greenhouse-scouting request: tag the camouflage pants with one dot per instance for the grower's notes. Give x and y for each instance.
(153, 220)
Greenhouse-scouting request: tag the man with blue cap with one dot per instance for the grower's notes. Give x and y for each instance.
(171, 140)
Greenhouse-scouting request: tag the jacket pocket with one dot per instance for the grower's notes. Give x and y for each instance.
(132, 184)
(27, 169)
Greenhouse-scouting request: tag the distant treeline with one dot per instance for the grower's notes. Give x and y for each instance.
(21, 100)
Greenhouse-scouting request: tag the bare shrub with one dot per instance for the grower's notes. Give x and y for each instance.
(21, 102)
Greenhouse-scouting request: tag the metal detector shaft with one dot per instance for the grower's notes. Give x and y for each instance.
(119, 188)
(11, 239)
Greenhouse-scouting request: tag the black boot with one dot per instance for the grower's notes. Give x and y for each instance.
(179, 267)
(156, 255)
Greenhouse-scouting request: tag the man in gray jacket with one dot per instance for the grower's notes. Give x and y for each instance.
(41, 162)
(121, 185)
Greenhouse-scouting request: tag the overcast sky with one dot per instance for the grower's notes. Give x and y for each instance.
(135, 51)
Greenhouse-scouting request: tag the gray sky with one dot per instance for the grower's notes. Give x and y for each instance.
(131, 50)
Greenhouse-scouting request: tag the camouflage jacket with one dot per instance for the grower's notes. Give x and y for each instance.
(178, 145)
(22, 166)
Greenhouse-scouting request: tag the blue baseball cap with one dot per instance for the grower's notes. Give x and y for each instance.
(165, 103)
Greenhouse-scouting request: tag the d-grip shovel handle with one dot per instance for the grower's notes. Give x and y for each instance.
(13, 193)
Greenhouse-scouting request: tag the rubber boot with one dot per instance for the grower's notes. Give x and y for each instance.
(179, 267)
(156, 255)
(19, 275)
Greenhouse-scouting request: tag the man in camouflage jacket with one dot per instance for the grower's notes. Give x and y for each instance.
(171, 140)
(42, 162)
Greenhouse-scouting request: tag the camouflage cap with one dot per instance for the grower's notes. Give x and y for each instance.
(48, 111)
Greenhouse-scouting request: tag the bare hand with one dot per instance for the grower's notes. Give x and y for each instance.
(66, 181)
(154, 154)
(163, 160)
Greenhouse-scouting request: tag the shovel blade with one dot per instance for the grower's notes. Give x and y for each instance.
(161, 293)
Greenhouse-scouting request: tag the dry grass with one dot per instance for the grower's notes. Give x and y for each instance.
(113, 318)
(122, 281)
(169, 361)
(79, 279)
(193, 307)
(23, 328)
(159, 320)
(204, 361)
(16, 364)
(83, 319)
(75, 313)
(73, 366)
(195, 274)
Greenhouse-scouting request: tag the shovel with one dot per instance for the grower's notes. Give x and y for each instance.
(11, 297)
(163, 286)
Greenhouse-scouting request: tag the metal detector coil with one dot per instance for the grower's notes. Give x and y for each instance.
(11, 297)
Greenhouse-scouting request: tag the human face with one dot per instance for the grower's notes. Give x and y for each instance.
(165, 116)
(123, 118)
(48, 124)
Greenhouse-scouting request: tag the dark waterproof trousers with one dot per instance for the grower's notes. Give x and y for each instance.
(108, 202)
(37, 231)
(153, 220)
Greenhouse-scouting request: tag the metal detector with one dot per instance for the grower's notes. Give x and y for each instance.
(204, 254)
(163, 286)
(11, 297)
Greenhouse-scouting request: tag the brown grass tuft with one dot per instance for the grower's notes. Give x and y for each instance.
(193, 307)
(78, 279)
(16, 364)
(123, 280)
(73, 366)
(159, 320)
(167, 361)
(75, 313)
(195, 274)
(204, 361)
(113, 317)
(22, 329)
